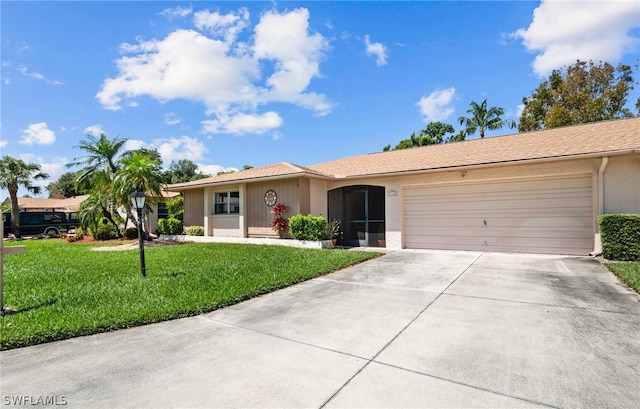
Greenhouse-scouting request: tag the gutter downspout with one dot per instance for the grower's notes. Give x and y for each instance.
(597, 250)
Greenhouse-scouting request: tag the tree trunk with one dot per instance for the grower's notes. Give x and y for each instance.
(15, 212)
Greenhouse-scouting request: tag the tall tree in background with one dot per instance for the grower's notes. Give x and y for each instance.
(183, 170)
(482, 118)
(580, 93)
(63, 187)
(433, 134)
(13, 174)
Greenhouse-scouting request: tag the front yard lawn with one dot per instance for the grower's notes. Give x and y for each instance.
(628, 272)
(62, 290)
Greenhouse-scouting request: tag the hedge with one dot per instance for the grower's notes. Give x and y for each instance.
(170, 226)
(194, 231)
(620, 236)
(308, 227)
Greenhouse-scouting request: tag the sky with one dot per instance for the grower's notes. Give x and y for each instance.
(228, 84)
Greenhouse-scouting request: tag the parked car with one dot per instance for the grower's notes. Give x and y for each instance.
(49, 223)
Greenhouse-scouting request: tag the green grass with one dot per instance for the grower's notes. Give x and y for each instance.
(628, 272)
(63, 290)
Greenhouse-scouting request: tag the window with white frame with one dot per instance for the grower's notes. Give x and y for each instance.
(226, 203)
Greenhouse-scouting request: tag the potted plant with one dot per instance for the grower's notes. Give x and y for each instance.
(334, 231)
(382, 242)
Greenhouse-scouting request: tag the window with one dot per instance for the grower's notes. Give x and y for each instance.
(226, 203)
(163, 211)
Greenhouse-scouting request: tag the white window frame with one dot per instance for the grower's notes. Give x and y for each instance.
(223, 203)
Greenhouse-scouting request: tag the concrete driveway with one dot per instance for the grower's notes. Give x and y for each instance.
(409, 329)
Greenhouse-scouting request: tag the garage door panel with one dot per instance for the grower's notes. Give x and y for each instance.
(552, 215)
(498, 214)
(530, 245)
(421, 199)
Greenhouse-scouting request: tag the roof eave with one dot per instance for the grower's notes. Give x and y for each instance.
(493, 164)
(178, 188)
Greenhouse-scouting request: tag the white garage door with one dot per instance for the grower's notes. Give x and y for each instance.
(551, 215)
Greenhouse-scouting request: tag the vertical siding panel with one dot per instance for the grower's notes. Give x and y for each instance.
(194, 207)
(258, 213)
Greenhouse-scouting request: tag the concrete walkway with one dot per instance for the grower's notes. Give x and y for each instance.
(409, 329)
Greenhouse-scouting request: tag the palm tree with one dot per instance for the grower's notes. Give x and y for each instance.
(13, 174)
(140, 172)
(483, 118)
(101, 161)
(100, 166)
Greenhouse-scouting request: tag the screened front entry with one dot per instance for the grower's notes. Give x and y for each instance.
(361, 209)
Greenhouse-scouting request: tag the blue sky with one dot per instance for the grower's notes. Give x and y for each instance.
(226, 84)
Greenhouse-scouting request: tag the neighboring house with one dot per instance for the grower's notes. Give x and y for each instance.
(72, 204)
(531, 192)
(34, 204)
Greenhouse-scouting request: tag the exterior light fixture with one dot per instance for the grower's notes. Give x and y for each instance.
(137, 200)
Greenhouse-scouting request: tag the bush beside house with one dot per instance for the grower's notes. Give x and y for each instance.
(170, 226)
(308, 227)
(194, 231)
(620, 236)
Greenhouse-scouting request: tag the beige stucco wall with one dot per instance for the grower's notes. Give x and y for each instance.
(318, 197)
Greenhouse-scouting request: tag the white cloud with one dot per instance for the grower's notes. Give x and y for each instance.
(22, 69)
(185, 65)
(376, 49)
(214, 169)
(564, 31)
(172, 118)
(243, 123)
(177, 11)
(38, 134)
(3, 143)
(185, 147)
(226, 26)
(437, 106)
(285, 40)
(214, 68)
(171, 149)
(135, 144)
(95, 130)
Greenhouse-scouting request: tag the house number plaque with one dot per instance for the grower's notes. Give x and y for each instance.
(270, 198)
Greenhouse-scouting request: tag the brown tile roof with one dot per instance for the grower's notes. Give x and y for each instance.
(596, 138)
(599, 138)
(277, 170)
(69, 204)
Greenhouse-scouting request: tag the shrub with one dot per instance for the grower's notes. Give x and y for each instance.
(170, 226)
(176, 207)
(195, 231)
(279, 223)
(105, 231)
(131, 233)
(620, 235)
(78, 234)
(308, 227)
